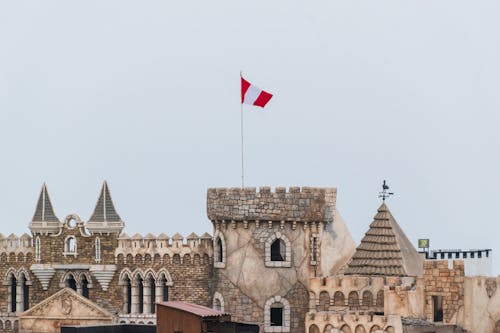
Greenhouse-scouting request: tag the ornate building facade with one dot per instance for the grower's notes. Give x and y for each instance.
(283, 259)
(122, 275)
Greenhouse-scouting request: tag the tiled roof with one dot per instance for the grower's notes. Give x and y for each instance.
(44, 211)
(385, 250)
(196, 309)
(105, 209)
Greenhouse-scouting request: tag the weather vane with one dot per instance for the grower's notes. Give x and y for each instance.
(385, 193)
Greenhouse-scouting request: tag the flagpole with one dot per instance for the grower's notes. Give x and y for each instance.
(242, 154)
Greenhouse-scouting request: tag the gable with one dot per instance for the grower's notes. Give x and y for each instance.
(65, 304)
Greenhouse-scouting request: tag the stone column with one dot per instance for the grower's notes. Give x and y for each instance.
(159, 293)
(79, 288)
(125, 299)
(19, 298)
(147, 296)
(135, 297)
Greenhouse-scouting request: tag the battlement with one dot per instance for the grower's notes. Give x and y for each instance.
(308, 204)
(164, 245)
(14, 243)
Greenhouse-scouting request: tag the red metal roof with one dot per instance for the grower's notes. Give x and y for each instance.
(196, 309)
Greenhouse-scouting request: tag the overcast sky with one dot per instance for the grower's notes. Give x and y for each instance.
(145, 94)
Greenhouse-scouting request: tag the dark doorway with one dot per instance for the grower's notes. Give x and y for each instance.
(437, 302)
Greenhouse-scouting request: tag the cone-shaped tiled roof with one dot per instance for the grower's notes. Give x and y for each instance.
(385, 250)
(44, 211)
(105, 209)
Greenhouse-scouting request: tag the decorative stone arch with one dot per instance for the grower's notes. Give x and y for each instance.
(20, 257)
(150, 273)
(196, 259)
(345, 329)
(360, 329)
(328, 329)
(268, 326)
(218, 302)
(338, 298)
(1, 324)
(23, 271)
(367, 299)
(219, 250)
(10, 272)
(66, 276)
(375, 328)
(324, 301)
(164, 273)
(87, 276)
(353, 300)
(314, 329)
(287, 262)
(186, 259)
(138, 273)
(390, 329)
(125, 273)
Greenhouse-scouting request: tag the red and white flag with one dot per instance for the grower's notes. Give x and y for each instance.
(253, 95)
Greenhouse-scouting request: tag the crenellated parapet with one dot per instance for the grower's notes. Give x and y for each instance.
(307, 204)
(15, 248)
(163, 248)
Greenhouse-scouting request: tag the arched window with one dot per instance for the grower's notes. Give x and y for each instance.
(338, 299)
(38, 255)
(324, 301)
(313, 329)
(353, 300)
(218, 303)
(220, 253)
(85, 286)
(70, 245)
(360, 329)
(127, 288)
(26, 292)
(71, 282)
(97, 250)
(152, 294)
(220, 250)
(13, 293)
(140, 286)
(367, 299)
(278, 251)
(277, 315)
(276, 312)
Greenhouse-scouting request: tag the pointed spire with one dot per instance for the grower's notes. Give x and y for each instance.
(385, 250)
(105, 218)
(105, 209)
(44, 211)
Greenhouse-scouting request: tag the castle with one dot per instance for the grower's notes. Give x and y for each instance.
(283, 259)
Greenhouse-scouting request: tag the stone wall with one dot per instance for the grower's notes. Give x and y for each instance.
(447, 282)
(304, 204)
(482, 304)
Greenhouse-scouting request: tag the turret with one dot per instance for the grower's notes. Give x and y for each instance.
(44, 220)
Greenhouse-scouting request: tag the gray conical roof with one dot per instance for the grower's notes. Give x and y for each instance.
(44, 211)
(385, 250)
(105, 209)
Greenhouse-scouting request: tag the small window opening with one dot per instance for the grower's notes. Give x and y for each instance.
(465, 255)
(152, 298)
(220, 254)
(277, 314)
(472, 254)
(13, 294)
(437, 302)
(278, 250)
(480, 254)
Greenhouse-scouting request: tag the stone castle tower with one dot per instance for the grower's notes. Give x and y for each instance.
(267, 246)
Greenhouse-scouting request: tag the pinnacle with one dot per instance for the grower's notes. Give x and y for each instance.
(44, 211)
(104, 209)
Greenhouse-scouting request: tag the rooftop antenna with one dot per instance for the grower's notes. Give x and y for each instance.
(385, 193)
